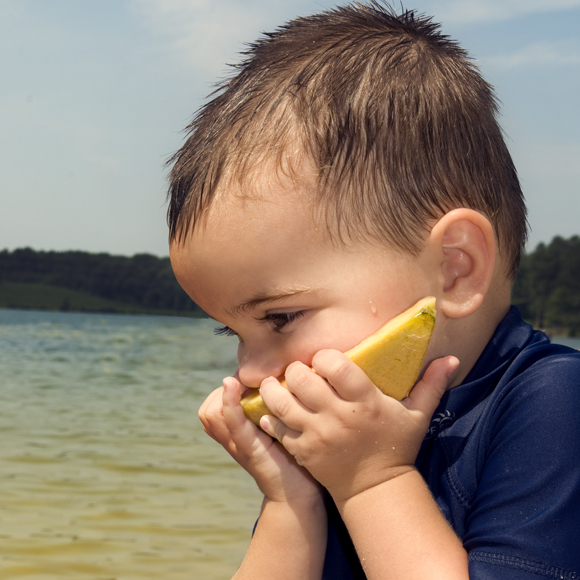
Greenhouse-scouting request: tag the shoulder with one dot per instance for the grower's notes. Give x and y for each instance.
(543, 375)
(538, 398)
(527, 502)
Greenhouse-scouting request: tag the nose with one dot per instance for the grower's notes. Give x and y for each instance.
(253, 368)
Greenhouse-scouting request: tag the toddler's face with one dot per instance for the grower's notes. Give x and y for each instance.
(265, 270)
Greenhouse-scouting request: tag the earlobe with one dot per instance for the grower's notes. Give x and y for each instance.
(465, 242)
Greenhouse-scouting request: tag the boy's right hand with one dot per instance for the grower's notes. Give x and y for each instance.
(276, 472)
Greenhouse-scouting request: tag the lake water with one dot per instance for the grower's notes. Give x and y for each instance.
(105, 471)
(573, 342)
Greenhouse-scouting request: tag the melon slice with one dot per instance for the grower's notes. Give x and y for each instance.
(391, 357)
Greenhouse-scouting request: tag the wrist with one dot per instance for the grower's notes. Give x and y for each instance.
(401, 489)
(377, 483)
(289, 541)
(399, 522)
(313, 501)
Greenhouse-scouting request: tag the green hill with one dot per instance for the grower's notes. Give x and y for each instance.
(547, 287)
(81, 281)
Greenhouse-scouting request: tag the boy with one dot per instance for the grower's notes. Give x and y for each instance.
(353, 166)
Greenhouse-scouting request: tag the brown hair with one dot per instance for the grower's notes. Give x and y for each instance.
(398, 123)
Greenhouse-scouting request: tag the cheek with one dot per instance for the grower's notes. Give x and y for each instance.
(302, 351)
(338, 330)
(242, 352)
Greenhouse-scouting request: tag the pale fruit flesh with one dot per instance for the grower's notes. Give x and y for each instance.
(391, 357)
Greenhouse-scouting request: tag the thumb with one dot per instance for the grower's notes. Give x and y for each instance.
(427, 393)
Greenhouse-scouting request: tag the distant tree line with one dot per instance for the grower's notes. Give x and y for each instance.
(142, 280)
(547, 287)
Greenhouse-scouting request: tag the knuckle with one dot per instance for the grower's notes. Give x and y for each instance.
(279, 432)
(203, 414)
(297, 373)
(331, 363)
(303, 458)
(210, 416)
(277, 400)
(282, 408)
(300, 449)
(341, 369)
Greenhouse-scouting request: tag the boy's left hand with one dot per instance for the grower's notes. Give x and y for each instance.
(343, 429)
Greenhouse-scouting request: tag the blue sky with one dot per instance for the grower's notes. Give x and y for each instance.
(94, 96)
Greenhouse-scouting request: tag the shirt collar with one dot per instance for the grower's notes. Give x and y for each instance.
(508, 340)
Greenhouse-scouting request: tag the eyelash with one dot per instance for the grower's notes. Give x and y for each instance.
(278, 319)
(281, 319)
(224, 331)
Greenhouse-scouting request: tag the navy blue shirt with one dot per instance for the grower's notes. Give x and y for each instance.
(502, 459)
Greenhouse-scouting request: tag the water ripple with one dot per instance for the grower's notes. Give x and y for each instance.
(105, 471)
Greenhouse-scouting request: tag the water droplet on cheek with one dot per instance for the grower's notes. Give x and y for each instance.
(373, 307)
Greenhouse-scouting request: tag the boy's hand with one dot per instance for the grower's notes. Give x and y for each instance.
(345, 431)
(276, 472)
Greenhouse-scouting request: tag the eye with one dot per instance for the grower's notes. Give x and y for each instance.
(224, 331)
(280, 319)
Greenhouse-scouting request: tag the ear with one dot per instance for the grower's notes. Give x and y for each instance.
(464, 244)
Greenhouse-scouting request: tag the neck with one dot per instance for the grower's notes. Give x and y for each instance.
(467, 337)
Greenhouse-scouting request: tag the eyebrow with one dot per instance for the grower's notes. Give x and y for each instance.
(265, 297)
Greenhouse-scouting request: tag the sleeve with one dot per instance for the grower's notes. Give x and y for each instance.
(524, 521)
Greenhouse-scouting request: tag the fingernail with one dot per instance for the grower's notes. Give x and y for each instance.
(265, 422)
(267, 380)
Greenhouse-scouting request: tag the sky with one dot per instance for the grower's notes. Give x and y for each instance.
(94, 97)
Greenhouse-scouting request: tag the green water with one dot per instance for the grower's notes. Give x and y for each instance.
(105, 472)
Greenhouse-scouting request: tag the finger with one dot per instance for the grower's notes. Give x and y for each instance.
(313, 392)
(427, 393)
(278, 399)
(210, 411)
(348, 380)
(279, 431)
(207, 404)
(242, 431)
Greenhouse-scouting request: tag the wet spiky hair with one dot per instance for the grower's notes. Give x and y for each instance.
(397, 122)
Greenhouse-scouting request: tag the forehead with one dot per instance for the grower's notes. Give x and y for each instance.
(272, 207)
(274, 240)
(257, 240)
